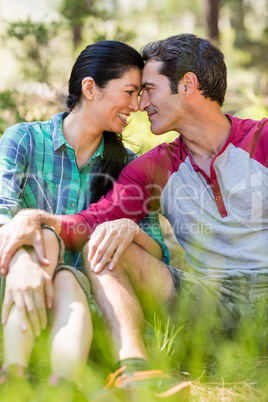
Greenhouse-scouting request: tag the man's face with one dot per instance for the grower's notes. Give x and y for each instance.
(163, 107)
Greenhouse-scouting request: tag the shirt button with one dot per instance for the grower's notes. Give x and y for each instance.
(76, 181)
(73, 205)
(218, 198)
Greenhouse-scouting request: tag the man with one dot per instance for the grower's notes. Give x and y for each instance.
(209, 183)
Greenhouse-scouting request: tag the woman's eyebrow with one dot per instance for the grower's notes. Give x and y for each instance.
(133, 85)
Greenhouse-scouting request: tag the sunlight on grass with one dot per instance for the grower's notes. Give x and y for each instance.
(219, 368)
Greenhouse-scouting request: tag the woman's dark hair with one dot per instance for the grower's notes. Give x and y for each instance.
(185, 53)
(104, 61)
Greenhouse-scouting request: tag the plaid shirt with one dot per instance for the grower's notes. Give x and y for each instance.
(38, 170)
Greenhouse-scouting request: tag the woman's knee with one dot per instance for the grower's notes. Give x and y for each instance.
(68, 293)
(66, 283)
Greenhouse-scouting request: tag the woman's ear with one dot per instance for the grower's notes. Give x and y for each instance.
(88, 87)
(188, 84)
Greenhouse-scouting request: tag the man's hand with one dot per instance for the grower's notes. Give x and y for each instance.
(30, 288)
(109, 241)
(23, 229)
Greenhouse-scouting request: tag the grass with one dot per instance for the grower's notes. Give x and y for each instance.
(236, 371)
(219, 369)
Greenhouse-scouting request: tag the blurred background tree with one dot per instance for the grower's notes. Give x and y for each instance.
(40, 41)
(212, 19)
(34, 52)
(76, 13)
(38, 50)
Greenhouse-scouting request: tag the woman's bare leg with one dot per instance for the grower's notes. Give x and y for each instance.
(71, 332)
(18, 341)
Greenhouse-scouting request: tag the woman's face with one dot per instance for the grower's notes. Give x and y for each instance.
(114, 104)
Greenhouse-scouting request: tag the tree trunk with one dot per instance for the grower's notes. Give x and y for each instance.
(212, 18)
(77, 35)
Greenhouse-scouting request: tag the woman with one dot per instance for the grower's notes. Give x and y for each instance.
(61, 166)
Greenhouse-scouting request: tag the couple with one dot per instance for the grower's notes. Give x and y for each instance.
(61, 166)
(211, 177)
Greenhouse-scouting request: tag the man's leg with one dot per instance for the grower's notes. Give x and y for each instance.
(71, 331)
(138, 283)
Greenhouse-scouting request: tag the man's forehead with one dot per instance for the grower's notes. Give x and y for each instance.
(150, 71)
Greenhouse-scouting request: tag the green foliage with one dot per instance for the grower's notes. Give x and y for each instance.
(249, 22)
(9, 113)
(124, 35)
(99, 32)
(77, 11)
(165, 337)
(7, 101)
(42, 32)
(220, 368)
(173, 7)
(35, 38)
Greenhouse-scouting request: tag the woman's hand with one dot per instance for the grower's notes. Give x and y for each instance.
(109, 241)
(23, 229)
(29, 287)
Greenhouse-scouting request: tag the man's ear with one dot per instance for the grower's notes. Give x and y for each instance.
(188, 84)
(88, 87)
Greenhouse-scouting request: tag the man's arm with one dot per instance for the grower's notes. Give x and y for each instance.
(126, 200)
(136, 193)
(131, 197)
(110, 238)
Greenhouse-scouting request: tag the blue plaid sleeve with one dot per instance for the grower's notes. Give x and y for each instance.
(12, 171)
(151, 226)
